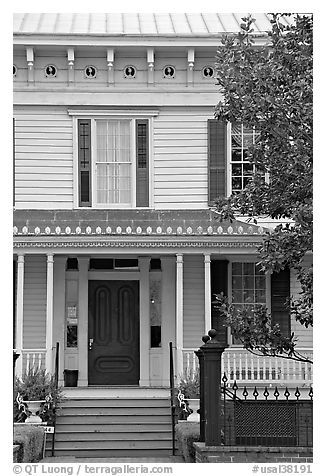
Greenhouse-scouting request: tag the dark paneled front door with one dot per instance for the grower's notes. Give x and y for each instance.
(113, 333)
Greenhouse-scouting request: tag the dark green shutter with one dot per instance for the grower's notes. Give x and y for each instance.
(280, 292)
(84, 162)
(14, 301)
(217, 141)
(14, 160)
(142, 165)
(219, 284)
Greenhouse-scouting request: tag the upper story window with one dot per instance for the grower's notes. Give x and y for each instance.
(241, 138)
(113, 162)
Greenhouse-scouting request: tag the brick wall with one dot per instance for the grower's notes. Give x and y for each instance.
(252, 454)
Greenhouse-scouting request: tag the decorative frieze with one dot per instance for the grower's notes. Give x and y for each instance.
(138, 230)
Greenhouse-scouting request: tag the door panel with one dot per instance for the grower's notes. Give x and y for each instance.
(113, 357)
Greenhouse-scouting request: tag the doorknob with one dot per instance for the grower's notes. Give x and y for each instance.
(90, 344)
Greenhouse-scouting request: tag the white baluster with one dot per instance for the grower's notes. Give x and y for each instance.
(282, 369)
(270, 368)
(234, 367)
(293, 369)
(39, 364)
(264, 368)
(288, 370)
(246, 366)
(240, 366)
(252, 367)
(194, 363)
(33, 360)
(187, 363)
(228, 366)
(27, 361)
(222, 364)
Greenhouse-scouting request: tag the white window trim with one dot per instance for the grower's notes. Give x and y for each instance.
(244, 259)
(113, 114)
(229, 160)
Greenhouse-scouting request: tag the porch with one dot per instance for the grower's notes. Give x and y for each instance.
(177, 262)
(237, 363)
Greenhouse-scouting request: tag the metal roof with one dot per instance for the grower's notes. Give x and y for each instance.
(134, 24)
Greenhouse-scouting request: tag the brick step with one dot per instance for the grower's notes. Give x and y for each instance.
(114, 419)
(64, 426)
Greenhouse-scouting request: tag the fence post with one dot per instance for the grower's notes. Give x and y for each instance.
(200, 356)
(211, 390)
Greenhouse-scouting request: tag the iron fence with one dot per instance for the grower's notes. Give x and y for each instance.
(266, 417)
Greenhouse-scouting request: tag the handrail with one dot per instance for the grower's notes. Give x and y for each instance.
(56, 378)
(172, 393)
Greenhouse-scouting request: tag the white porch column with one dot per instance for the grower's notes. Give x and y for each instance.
(168, 313)
(59, 291)
(83, 264)
(208, 319)
(20, 313)
(49, 314)
(179, 317)
(144, 320)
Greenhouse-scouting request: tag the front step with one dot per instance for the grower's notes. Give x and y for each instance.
(113, 427)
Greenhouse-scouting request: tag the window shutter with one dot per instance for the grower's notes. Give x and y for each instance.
(142, 166)
(84, 162)
(14, 161)
(280, 292)
(217, 141)
(219, 283)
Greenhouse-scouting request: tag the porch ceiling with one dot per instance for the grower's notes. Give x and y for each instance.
(141, 228)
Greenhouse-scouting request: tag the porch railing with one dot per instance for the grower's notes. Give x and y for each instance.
(32, 359)
(247, 369)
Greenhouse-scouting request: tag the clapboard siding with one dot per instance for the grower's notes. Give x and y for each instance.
(193, 301)
(34, 302)
(44, 158)
(180, 158)
(304, 335)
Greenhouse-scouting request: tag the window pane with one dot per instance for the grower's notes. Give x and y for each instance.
(237, 282)
(236, 155)
(248, 282)
(237, 295)
(260, 296)
(236, 183)
(248, 268)
(237, 268)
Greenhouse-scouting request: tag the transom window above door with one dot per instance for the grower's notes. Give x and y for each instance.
(113, 162)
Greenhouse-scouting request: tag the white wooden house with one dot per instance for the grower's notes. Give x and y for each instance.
(117, 161)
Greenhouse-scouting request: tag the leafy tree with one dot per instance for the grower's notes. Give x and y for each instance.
(269, 87)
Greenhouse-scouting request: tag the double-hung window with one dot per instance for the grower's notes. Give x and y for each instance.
(241, 170)
(113, 161)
